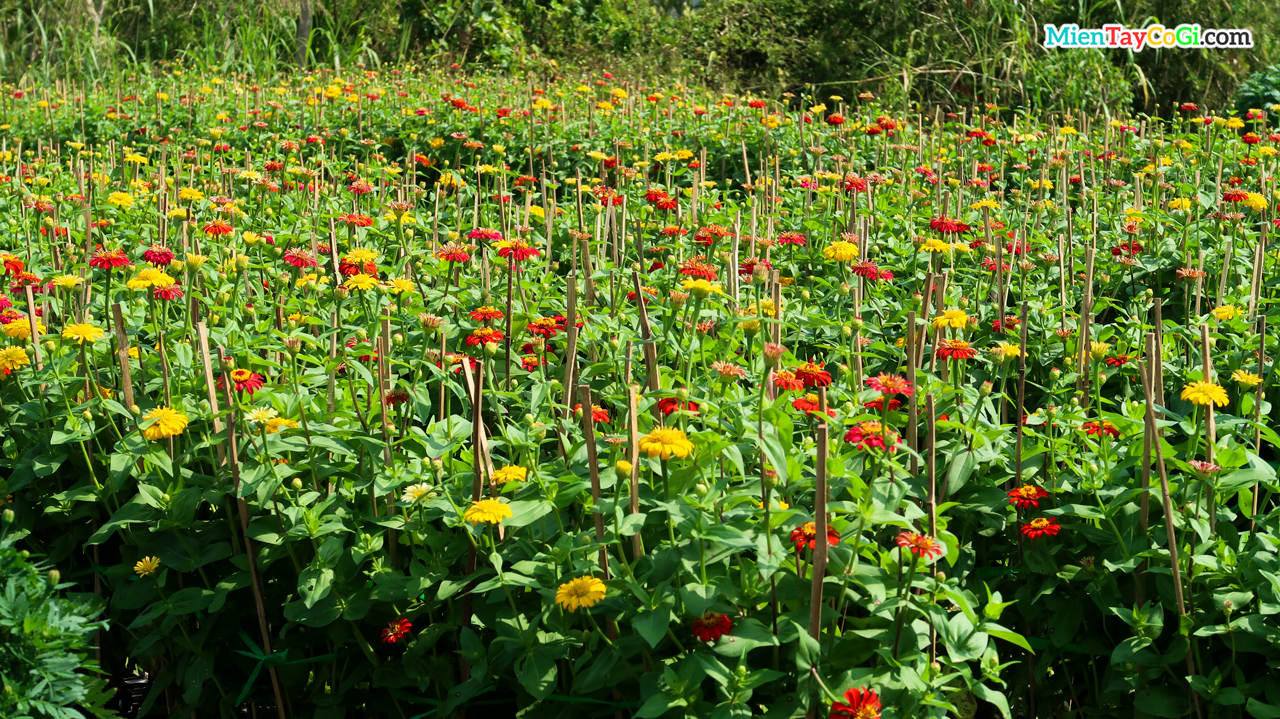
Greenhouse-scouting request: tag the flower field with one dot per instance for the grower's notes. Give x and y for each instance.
(423, 394)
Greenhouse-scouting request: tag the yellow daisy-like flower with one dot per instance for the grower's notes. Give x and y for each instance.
(702, 289)
(21, 329)
(580, 592)
(841, 251)
(487, 511)
(1180, 204)
(149, 277)
(955, 319)
(82, 332)
(278, 424)
(1246, 379)
(12, 358)
(1099, 350)
(1235, 123)
(666, 442)
(400, 286)
(514, 473)
(1204, 394)
(135, 158)
(1226, 313)
(120, 199)
(988, 203)
(165, 422)
(190, 194)
(1006, 351)
(147, 566)
(360, 282)
(67, 282)
(935, 245)
(415, 492)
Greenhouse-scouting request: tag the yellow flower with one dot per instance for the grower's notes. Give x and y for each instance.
(988, 203)
(146, 566)
(955, 319)
(701, 288)
(1099, 350)
(1037, 184)
(1255, 201)
(935, 245)
(1006, 351)
(400, 286)
(12, 358)
(82, 332)
(487, 511)
(165, 422)
(1180, 204)
(20, 329)
(278, 424)
(1246, 379)
(513, 473)
(1226, 313)
(1067, 131)
(1235, 123)
(135, 158)
(149, 277)
(841, 251)
(66, 282)
(666, 442)
(580, 592)
(190, 193)
(360, 282)
(1204, 393)
(120, 199)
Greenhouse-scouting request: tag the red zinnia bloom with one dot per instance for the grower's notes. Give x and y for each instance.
(791, 238)
(302, 259)
(1097, 429)
(668, 405)
(947, 226)
(354, 220)
(1039, 527)
(808, 404)
(547, 326)
(812, 375)
(878, 404)
(484, 233)
(868, 435)
(486, 313)
(104, 260)
(483, 335)
(397, 630)
(1119, 360)
(955, 349)
(806, 535)
(860, 703)
(598, 413)
(921, 545)
(697, 268)
(1235, 196)
(1028, 495)
(168, 292)
(787, 380)
(217, 228)
(835, 119)
(887, 384)
(453, 252)
(711, 626)
(243, 381)
(158, 255)
(531, 362)
(518, 250)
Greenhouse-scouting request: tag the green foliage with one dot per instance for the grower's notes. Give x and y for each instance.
(44, 668)
(1260, 91)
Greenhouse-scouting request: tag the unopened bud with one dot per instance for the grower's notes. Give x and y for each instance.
(7, 516)
(397, 339)
(986, 388)
(297, 483)
(490, 349)
(623, 469)
(773, 354)
(293, 345)
(55, 577)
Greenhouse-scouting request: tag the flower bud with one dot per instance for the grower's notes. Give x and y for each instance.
(614, 344)
(845, 289)
(773, 354)
(54, 577)
(490, 349)
(623, 469)
(846, 330)
(341, 292)
(397, 339)
(1055, 374)
(135, 410)
(759, 275)
(857, 323)
(963, 302)
(7, 516)
(297, 483)
(293, 345)
(242, 262)
(804, 294)
(986, 388)
(88, 416)
(431, 323)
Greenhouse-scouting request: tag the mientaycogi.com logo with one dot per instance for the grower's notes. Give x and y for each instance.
(1156, 37)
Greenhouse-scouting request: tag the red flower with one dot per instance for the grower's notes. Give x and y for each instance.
(243, 381)
(168, 292)
(354, 220)
(812, 375)
(878, 404)
(217, 228)
(947, 226)
(531, 362)
(483, 335)
(301, 259)
(1028, 495)
(860, 703)
(887, 384)
(809, 403)
(791, 238)
(547, 326)
(397, 630)
(598, 413)
(868, 435)
(486, 313)
(787, 380)
(920, 545)
(518, 250)
(835, 119)
(158, 255)
(806, 535)
(1235, 196)
(1119, 360)
(484, 233)
(671, 404)
(104, 260)
(697, 268)
(1097, 429)
(711, 626)
(955, 349)
(1039, 527)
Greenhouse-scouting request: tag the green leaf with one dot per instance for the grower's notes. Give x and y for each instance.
(1258, 710)
(960, 471)
(538, 674)
(1163, 701)
(653, 623)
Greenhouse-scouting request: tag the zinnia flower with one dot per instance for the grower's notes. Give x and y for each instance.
(1027, 495)
(12, 358)
(955, 349)
(486, 313)
(868, 435)
(109, 259)
(1246, 379)
(786, 380)
(954, 319)
(711, 626)
(580, 592)
(1040, 527)
(165, 422)
(82, 332)
(487, 511)
(1204, 393)
(243, 380)
(921, 545)
(396, 630)
(841, 251)
(806, 536)
(514, 473)
(812, 375)
(666, 442)
(1099, 428)
(146, 566)
(667, 405)
(887, 384)
(860, 703)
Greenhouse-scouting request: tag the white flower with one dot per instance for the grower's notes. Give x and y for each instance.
(261, 416)
(415, 492)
